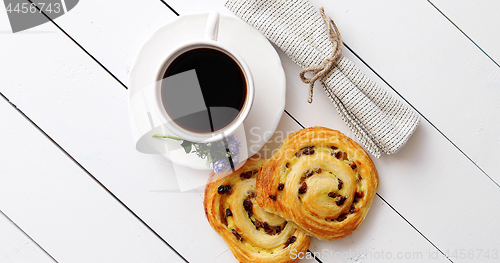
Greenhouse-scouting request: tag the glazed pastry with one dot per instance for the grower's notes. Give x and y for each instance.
(321, 180)
(252, 234)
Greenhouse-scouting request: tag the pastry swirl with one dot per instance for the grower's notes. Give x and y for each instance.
(321, 180)
(252, 234)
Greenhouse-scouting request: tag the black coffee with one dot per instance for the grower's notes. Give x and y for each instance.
(203, 90)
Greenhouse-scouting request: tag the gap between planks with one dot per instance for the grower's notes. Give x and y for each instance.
(91, 176)
(455, 25)
(26, 234)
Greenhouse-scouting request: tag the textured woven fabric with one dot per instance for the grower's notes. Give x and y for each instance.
(381, 122)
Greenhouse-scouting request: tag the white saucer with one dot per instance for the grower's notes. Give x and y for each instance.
(249, 43)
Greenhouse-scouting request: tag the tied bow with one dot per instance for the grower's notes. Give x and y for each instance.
(330, 62)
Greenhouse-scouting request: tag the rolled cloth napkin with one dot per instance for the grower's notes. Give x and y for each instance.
(381, 122)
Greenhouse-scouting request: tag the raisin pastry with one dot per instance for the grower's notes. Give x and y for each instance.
(252, 234)
(321, 180)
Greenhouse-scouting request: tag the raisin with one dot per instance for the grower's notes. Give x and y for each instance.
(303, 188)
(246, 175)
(228, 212)
(273, 197)
(298, 154)
(257, 224)
(352, 209)
(359, 195)
(287, 165)
(309, 173)
(341, 184)
(334, 148)
(340, 201)
(223, 189)
(353, 166)
(248, 205)
(277, 229)
(291, 240)
(237, 235)
(341, 217)
(280, 187)
(341, 155)
(319, 171)
(359, 178)
(252, 195)
(267, 229)
(332, 194)
(308, 150)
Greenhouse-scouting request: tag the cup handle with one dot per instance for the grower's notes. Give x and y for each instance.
(212, 28)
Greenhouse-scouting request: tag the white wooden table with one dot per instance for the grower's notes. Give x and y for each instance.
(74, 189)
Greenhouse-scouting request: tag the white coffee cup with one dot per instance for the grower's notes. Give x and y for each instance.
(210, 41)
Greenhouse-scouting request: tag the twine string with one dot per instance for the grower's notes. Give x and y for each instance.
(330, 62)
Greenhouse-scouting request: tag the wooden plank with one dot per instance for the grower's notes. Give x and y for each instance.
(93, 110)
(478, 20)
(17, 247)
(114, 32)
(429, 174)
(86, 113)
(44, 182)
(195, 6)
(445, 76)
(384, 233)
(146, 184)
(65, 211)
(422, 163)
(98, 120)
(432, 65)
(443, 64)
